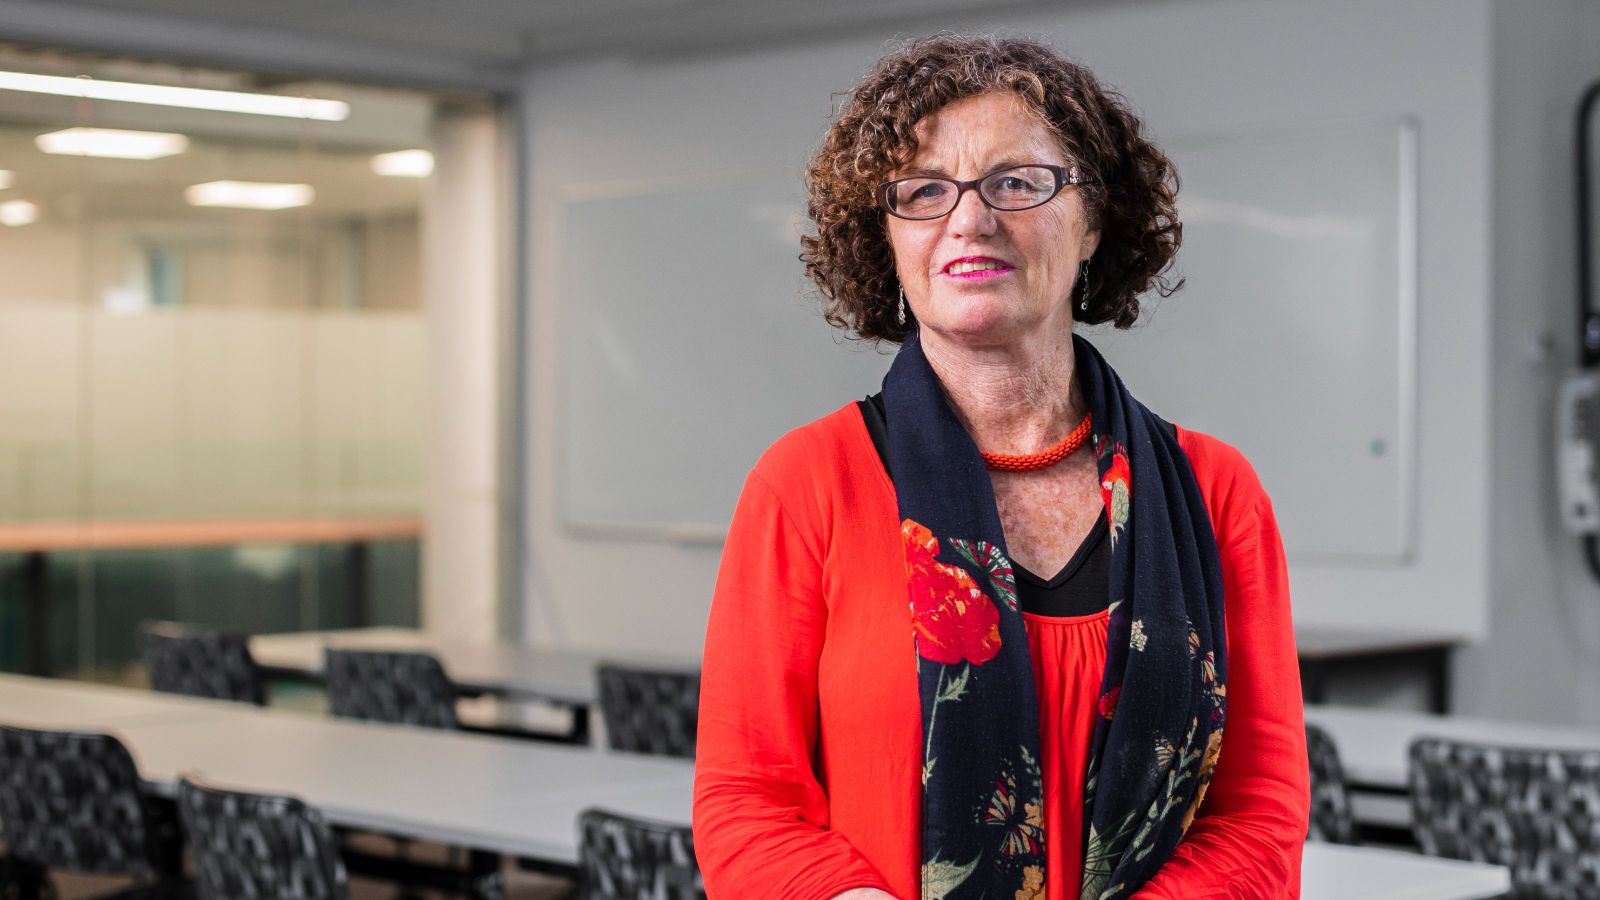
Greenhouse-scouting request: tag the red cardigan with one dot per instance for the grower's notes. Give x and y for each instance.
(807, 779)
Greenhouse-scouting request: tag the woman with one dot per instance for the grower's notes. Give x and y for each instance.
(893, 703)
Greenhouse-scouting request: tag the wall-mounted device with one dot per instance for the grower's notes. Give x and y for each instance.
(1578, 412)
(1578, 451)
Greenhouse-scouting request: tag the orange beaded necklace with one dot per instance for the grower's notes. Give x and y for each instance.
(1027, 462)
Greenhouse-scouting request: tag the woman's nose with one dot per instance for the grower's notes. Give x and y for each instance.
(971, 216)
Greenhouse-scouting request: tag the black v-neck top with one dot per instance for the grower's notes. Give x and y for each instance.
(1081, 588)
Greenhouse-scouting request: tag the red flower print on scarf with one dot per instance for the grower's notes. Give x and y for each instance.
(1116, 488)
(1108, 701)
(953, 619)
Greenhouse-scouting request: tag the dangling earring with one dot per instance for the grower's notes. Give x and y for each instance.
(1083, 283)
(902, 317)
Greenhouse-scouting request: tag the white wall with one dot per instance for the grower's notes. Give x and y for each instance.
(1242, 66)
(44, 264)
(1542, 660)
(594, 122)
(1192, 68)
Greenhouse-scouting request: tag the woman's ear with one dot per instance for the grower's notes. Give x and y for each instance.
(1090, 243)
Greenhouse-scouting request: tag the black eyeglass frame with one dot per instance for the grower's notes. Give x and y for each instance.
(1064, 175)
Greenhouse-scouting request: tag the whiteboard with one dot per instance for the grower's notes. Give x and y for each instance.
(690, 343)
(1294, 338)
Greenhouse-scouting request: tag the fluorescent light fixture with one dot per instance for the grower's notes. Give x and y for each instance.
(125, 301)
(112, 142)
(404, 163)
(188, 98)
(6, 178)
(18, 212)
(249, 194)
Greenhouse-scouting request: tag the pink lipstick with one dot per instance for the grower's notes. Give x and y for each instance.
(976, 268)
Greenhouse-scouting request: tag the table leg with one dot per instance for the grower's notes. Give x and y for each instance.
(22, 880)
(1438, 666)
(36, 588)
(359, 601)
(487, 881)
(580, 724)
(1314, 680)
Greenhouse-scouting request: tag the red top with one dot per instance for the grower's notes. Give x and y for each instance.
(808, 772)
(1069, 656)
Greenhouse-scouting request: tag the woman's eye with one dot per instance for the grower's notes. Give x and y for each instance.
(928, 192)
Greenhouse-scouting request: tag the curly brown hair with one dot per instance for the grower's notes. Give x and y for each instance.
(1131, 195)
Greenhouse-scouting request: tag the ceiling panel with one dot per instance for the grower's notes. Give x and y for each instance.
(493, 32)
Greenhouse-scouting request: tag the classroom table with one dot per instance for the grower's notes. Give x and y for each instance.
(37, 540)
(1326, 651)
(498, 797)
(1337, 872)
(1374, 747)
(487, 667)
(481, 793)
(1374, 744)
(568, 675)
(51, 703)
(565, 678)
(459, 789)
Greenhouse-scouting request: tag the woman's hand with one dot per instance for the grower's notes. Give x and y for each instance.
(864, 894)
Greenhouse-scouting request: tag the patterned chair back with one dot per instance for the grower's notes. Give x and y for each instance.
(623, 858)
(200, 662)
(1533, 811)
(649, 711)
(259, 846)
(71, 801)
(1331, 820)
(388, 686)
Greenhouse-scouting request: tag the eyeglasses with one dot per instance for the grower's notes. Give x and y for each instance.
(1008, 190)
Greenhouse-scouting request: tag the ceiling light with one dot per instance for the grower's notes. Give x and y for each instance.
(18, 212)
(249, 194)
(404, 163)
(113, 143)
(167, 95)
(6, 179)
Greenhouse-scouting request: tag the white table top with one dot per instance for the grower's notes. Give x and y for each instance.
(1335, 872)
(565, 676)
(1322, 642)
(51, 703)
(1374, 743)
(507, 796)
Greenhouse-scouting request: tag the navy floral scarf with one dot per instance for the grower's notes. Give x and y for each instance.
(1162, 698)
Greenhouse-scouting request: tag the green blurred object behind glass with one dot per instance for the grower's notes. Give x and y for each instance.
(219, 586)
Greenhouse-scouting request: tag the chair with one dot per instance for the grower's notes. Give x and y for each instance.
(247, 846)
(624, 858)
(72, 801)
(1535, 811)
(388, 686)
(200, 662)
(402, 688)
(649, 711)
(1331, 820)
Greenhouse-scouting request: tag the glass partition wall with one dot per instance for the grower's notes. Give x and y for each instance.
(211, 361)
